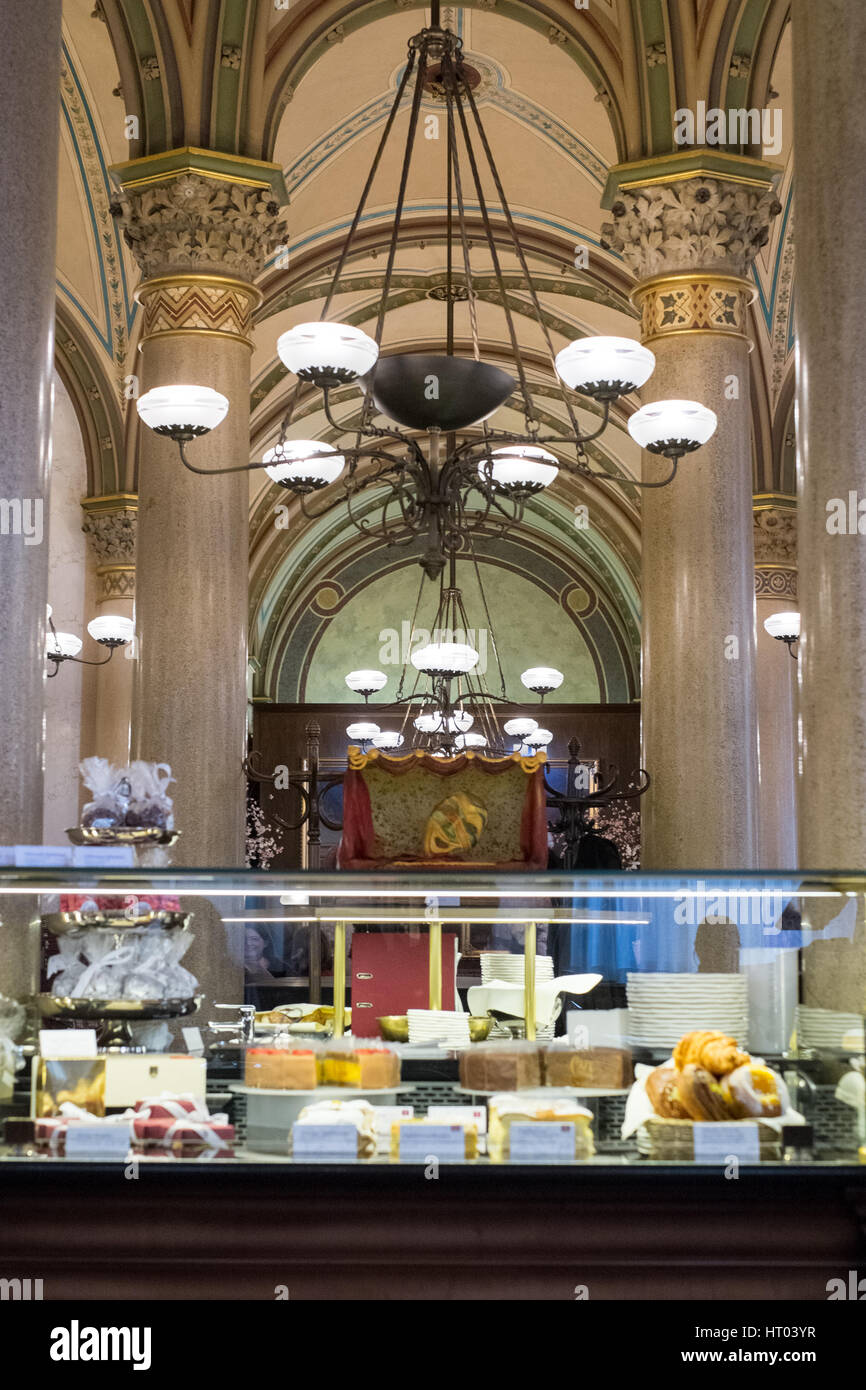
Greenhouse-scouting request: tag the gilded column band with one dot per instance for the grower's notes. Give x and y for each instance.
(691, 302)
(214, 305)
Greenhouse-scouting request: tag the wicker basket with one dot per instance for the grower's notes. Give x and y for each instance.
(674, 1140)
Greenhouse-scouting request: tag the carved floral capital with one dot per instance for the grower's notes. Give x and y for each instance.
(195, 223)
(701, 224)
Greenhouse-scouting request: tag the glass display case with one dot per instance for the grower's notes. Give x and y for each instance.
(495, 1021)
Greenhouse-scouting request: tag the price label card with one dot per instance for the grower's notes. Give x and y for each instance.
(421, 1142)
(193, 1039)
(103, 856)
(386, 1116)
(43, 856)
(459, 1114)
(718, 1142)
(546, 1141)
(67, 1042)
(325, 1143)
(97, 1140)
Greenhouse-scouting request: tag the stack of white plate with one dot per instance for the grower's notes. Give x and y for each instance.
(438, 1025)
(502, 965)
(663, 1007)
(826, 1028)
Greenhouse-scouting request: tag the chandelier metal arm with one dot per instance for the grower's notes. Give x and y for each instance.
(213, 472)
(485, 215)
(521, 256)
(370, 431)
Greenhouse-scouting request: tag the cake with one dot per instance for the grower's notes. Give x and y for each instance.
(505, 1110)
(609, 1067)
(281, 1068)
(367, 1068)
(344, 1112)
(470, 1136)
(500, 1067)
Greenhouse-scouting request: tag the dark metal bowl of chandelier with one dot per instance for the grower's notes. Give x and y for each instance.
(422, 391)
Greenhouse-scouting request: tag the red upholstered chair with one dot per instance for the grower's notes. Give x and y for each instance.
(417, 811)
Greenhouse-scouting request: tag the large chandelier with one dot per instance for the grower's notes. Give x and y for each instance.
(468, 473)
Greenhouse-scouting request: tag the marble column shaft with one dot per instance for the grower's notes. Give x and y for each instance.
(689, 243)
(29, 120)
(829, 42)
(200, 239)
(29, 114)
(776, 592)
(110, 525)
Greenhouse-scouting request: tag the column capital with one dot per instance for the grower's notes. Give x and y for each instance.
(775, 531)
(697, 215)
(110, 526)
(191, 211)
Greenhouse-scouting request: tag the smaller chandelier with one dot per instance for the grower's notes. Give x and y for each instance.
(457, 723)
(109, 630)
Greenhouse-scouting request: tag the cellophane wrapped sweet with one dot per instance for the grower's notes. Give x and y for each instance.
(110, 789)
(144, 965)
(149, 805)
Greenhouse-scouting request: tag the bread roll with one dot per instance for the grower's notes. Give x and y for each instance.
(702, 1095)
(662, 1087)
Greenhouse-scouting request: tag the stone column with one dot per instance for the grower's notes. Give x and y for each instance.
(689, 235)
(830, 173)
(199, 238)
(775, 532)
(110, 527)
(29, 101)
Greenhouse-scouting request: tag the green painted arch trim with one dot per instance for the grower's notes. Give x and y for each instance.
(96, 403)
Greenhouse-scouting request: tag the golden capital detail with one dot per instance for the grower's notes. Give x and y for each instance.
(690, 303)
(214, 304)
(110, 527)
(699, 225)
(775, 534)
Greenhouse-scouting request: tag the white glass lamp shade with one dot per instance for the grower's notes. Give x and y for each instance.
(366, 682)
(521, 728)
(521, 468)
(327, 353)
(605, 367)
(111, 630)
(542, 679)
(470, 741)
(182, 409)
(675, 426)
(540, 738)
(387, 739)
(306, 464)
(445, 659)
(784, 626)
(63, 644)
(362, 731)
(458, 722)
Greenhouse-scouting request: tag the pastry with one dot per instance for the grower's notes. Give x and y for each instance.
(701, 1094)
(662, 1088)
(281, 1068)
(500, 1067)
(505, 1110)
(367, 1068)
(709, 1049)
(753, 1090)
(345, 1112)
(595, 1066)
(470, 1136)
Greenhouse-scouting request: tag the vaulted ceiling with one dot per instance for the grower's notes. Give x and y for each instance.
(565, 93)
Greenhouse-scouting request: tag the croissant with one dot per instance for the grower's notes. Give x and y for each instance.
(688, 1049)
(721, 1056)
